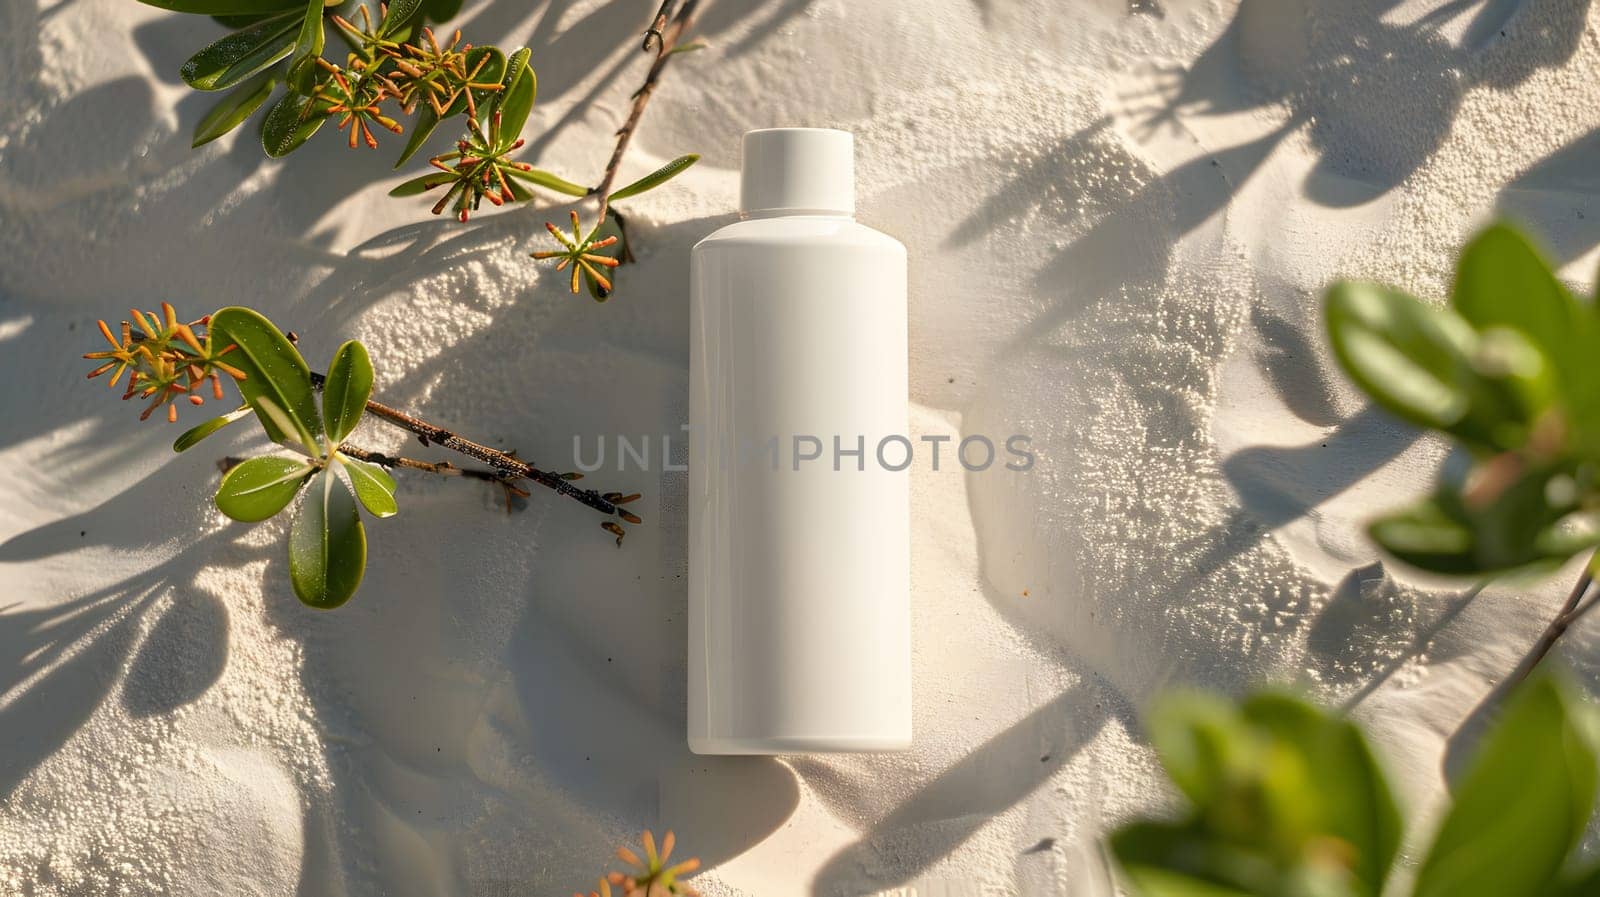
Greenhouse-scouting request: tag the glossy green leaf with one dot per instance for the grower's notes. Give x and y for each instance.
(441, 10)
(233, 58)
(258, 488)
(519, 193)
(235, 22)
(327, 545)
(233, 109)
(549, 181)
(273, 370)
(516, 99)
(688, 48)
(1522, 806)
(656, 178)
(225, 7)
(345, 392)
(400, 15)
(374, 486)
(307, 49)
(193, 435)
(420, 185)
(421, 128)
(289, 123)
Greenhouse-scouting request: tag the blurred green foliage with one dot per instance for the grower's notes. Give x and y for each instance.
(1508, 371)
(1283, 799)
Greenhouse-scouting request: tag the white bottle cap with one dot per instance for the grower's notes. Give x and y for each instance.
(799, 170)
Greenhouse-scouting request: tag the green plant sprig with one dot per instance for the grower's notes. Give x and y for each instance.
(166, 359)
(396, 67)
(1507, 371)
(1286, 800)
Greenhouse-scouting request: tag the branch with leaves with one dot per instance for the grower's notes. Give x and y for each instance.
(1508, 372)
(396, 68)
(1285, 800)
(163, 361)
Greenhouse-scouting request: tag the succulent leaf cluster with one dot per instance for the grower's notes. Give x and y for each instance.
(653, 875)
(164, 360)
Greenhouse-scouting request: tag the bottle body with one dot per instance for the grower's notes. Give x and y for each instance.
(799, 542)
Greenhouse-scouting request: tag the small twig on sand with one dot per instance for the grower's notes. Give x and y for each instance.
(508, 464)
(664, 35)
(1571, 611)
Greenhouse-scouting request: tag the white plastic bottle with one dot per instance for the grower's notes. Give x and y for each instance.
(799, 581)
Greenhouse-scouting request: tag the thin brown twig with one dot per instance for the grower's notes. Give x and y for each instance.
(1571, 611)
(442, 468)
(667, 30)
(432, 434)
(506, 482)
(658, 24)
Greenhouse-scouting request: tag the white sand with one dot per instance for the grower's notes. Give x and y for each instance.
(1120, 221)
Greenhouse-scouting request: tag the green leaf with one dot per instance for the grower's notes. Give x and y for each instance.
(419, 185)
(327, 545)
(1522, 806)
(1404, 354)
(1285, 799)
(233, 109)
(1427, 536)
(345, 392)
(193, 435)
(400, 15)
(1350, 798)
(516, 99)
(1502, 281)
(258, 488)
(656, 178)
(1428, 366)
(421, 128)
(1162, 859)
(1516, 528)
(519, 193)
(225, 7)
(307, 49)
(549, 181)
(442, 10)
(1585, 884)
(290, 122)
(273, 370)
(374, 486)
(235, 57)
